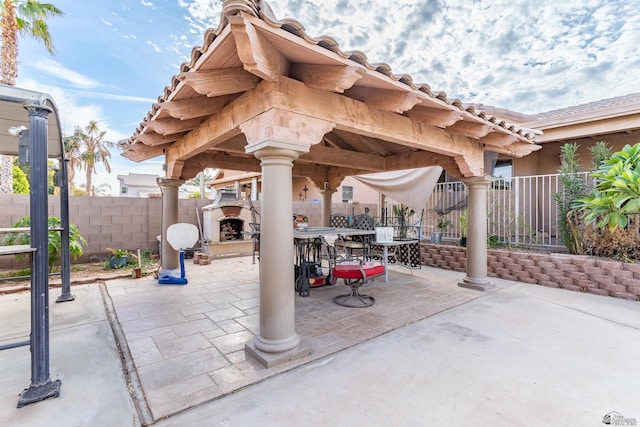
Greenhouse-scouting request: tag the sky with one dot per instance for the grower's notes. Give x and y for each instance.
(114, 58)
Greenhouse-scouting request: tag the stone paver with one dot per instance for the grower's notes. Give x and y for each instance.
(209, 321)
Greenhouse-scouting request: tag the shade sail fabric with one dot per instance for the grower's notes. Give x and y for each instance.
(411, 187)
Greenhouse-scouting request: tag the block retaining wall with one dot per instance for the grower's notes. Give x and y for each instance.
(573, 272)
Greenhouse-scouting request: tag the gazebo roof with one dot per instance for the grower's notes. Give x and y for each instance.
(380, 121)
(14, 115)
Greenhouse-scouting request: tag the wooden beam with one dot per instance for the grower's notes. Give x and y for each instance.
(256, 53)
(220, 161)
(190, 108)
(172, 126)
(383, 99)
(145, 154)
(420, 159)
(334, 78)
(214, 83)
(434, 116)
(499, 139)
(328, 155)
(174, 169)
(355, 116)
(471, 130)
(153, 139)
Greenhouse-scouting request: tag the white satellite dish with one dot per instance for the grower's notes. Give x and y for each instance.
(182, 235)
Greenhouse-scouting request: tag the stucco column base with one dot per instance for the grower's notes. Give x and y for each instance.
(476, 284)
(269, 360)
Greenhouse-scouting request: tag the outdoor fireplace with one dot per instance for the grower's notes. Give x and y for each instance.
(226, 226)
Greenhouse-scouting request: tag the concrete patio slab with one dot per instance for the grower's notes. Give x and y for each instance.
(427, 350)
(525, 355)
(83, 356)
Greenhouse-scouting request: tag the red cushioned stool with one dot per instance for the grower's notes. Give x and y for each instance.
(356, 274)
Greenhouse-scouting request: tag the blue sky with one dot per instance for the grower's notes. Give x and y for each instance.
(114, 58)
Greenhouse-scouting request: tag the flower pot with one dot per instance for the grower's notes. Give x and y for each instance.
(117, 262)
(436, 237)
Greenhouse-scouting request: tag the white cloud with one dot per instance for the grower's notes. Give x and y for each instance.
(55, 69)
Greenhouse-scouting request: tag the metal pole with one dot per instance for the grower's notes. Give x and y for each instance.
(65, 261)
(41, 385)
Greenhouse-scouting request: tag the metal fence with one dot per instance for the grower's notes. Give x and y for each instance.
(520, 210)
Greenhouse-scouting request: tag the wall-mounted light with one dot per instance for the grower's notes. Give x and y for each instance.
(22, 134)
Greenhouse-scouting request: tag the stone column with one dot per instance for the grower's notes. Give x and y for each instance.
(277, 138)
(278, 340)
(326, 206)
(477, 236)
(254, 189)
(169, 257)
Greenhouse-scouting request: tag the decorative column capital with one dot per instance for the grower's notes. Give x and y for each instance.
(169, 183)
(38, 110)
(284, 129)
(477, 181)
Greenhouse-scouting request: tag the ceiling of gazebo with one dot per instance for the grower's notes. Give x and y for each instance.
(254, 63)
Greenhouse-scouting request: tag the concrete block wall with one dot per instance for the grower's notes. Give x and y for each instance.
(573, 272)
(114, 222)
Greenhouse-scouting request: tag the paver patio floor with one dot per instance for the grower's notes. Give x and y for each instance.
(187, 342)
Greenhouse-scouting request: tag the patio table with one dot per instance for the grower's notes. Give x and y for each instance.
(385, 253)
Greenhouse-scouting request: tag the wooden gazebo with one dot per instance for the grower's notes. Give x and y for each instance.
(261, 95)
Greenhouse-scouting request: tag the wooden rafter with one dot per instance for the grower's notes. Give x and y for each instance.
(383, 99)
(172, 126)
(219, 82)
(258, 56)
(434, 116)
(334, 78)
(327, 155)
(190, 108)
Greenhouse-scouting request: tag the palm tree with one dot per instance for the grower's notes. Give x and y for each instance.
(73, 152)
(95, 151)
(24, 17)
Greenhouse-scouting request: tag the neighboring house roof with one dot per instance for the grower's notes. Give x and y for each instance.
(597, 119)
(139, 180)
(251, 49)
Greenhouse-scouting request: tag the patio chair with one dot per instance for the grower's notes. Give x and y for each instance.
(359, 245)
(356, 274)
(338, 220)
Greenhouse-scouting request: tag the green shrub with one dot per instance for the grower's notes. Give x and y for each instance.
(20, 181)
(55, 244)
(617, 194)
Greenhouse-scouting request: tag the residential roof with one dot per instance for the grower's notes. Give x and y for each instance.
(139, 180)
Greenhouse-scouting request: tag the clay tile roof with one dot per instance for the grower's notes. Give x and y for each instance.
(604, 104)
(262, 10)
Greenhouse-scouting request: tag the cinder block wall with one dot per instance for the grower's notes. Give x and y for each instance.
(114, 222)
(573, 272)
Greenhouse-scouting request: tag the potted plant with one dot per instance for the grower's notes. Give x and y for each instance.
(118, 258)
(442, 224)
(404, 215)
(464, 226)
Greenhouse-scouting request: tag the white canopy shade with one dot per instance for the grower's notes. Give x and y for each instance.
(14, 115)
